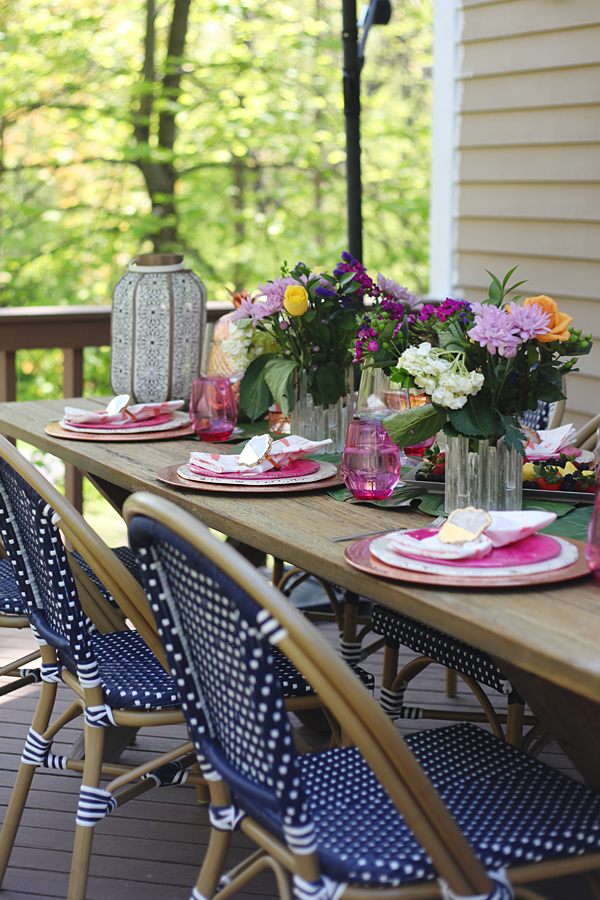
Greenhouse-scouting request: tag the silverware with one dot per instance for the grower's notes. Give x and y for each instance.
(350, 537)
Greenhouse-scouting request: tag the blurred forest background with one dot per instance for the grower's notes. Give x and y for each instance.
(210, 127)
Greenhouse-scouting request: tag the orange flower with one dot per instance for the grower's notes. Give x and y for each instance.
(558, 323)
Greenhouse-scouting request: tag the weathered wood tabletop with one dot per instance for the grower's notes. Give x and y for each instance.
(552, 632)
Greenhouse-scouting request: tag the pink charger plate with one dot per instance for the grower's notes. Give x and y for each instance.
(293, 469)
(157, 420)
(533, 549)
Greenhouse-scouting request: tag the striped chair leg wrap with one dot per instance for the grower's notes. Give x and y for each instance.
(225, 818)
(168, 775)
(352, 652)
(37, 753)
(301, 839)
(36, 674)
(502, 889)
(94, 805)
(325, 889)
(99, 716)
(50, 673)
(196, 895)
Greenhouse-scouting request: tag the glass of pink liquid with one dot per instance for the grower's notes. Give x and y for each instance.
(371, 461)
(592, 547)
(213, 411)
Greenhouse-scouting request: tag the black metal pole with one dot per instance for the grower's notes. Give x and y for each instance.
(352, 114)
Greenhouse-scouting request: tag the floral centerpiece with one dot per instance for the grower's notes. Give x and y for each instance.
(299, 324)
(482, 365)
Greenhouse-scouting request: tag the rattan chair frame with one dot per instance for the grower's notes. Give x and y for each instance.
(134, 604)
(364, 724)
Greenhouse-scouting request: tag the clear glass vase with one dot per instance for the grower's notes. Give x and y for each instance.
(317, 423)
(380, 397)
(482, 475)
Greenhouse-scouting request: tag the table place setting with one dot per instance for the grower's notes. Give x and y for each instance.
(263, 465)
(474, 548)
(121, 420)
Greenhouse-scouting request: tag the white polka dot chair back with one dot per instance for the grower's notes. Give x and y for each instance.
(41, 569)
(456, 804)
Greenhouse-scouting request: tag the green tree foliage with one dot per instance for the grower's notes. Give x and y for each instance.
(242, 127)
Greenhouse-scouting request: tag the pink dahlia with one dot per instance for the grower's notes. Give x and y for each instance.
(495, 330)
(530, 321)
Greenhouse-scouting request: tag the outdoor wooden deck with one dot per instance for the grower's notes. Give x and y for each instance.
(153, 846)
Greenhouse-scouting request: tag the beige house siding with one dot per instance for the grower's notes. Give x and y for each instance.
(527, 168)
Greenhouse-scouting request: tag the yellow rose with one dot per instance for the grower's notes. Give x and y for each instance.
(295, 299)
(558, 323)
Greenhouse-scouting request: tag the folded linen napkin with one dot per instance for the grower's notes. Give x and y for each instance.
(551, 442)
(282, 452)
(139, 411)
(426, 544)
(506, 528)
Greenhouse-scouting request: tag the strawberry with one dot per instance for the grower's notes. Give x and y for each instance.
(545, 486)
(439, 469)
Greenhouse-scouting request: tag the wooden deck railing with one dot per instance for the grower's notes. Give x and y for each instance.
(70, 328)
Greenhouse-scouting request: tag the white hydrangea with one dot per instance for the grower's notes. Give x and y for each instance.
(245, 343)
(441, 374)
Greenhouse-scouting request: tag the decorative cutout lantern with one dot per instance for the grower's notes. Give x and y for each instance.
(157, 326)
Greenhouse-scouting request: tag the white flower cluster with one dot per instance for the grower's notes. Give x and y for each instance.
(245, 343)
(442, 375)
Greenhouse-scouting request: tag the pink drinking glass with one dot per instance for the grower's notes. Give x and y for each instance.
(371, 461)
(213, 412)
(592, 547)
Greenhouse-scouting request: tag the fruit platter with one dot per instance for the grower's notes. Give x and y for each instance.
(568, 476)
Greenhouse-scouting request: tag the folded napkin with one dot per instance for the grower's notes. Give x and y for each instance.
(139, 411)
(282, 452)
(552, 442)
(508, 527)
(426, 544)
(505, 528)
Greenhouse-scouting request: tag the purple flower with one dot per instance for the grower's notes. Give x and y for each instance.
(349, 264)
(495, 329)
(316, 348)
(325, 293)
(283, 325)
(392, 289)
(274, 291)
(244, 311)
(372, 346)
(529, 321)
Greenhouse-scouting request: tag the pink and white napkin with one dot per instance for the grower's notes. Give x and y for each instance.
(282, 452)
(139, 411)
(505, 528)
(552, 442)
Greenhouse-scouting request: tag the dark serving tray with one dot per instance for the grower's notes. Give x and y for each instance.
(437, 487)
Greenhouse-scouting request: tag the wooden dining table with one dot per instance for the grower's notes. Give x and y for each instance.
(545, 638)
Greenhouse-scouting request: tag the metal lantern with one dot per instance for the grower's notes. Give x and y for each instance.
(157, 327)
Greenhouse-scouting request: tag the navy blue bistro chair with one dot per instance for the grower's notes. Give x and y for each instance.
(385, 817)
(115, 676)
(13, 614)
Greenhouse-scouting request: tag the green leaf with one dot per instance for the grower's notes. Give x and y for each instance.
(331, 382)
(508, 274)
(476, 419)
(279, 376)
(514, 437)
(549, 392)
(413, 426)
(255, 396)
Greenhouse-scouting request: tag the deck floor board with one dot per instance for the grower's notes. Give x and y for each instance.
(151, 848)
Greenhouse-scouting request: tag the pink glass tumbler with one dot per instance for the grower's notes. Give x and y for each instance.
(371, 461)
(213, 412)
(592, 547)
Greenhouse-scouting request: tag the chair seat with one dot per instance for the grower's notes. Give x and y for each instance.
(124, 555)
(441, 647)
(512, 808)
(295, 685)
(11, 601)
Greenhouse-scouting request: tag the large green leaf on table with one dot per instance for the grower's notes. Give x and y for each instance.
(413, 426)
(476, 419)
(255, 396)
(574, 525)
(331, 382)
(279, 376)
